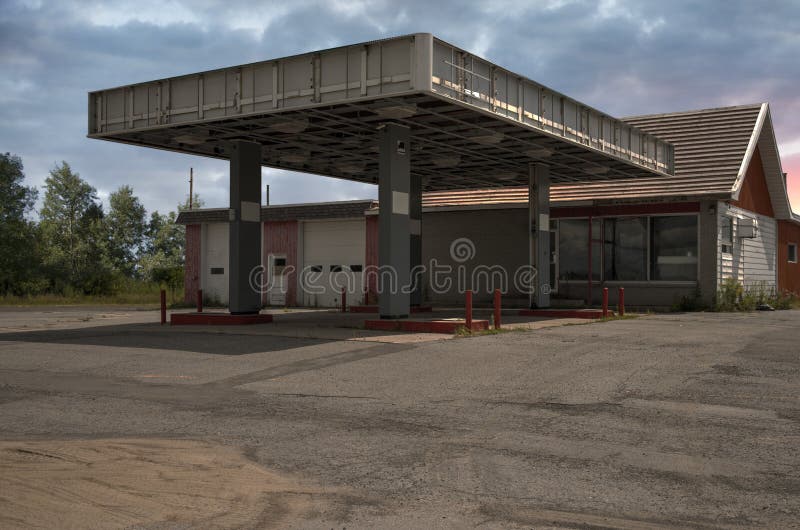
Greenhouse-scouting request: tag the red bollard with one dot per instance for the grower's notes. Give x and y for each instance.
(468, 318)
(163, 307)
(621, 301)
(497, 309)
(199, 300)
(605, 302)
(344, 301)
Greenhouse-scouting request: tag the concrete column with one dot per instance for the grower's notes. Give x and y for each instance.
(245, 227)
(415, 228)
(394, 226)
(539, 237)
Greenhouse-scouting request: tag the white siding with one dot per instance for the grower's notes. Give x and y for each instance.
(752, 260)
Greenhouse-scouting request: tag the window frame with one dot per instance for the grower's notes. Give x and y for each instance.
(649, 280)
(788, 254)
(723, 243)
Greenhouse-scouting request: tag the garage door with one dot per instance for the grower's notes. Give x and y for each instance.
(333, 258)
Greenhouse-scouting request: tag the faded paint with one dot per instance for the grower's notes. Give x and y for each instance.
(192, 268)
(788, 273)
(754, 195)
(280, 237)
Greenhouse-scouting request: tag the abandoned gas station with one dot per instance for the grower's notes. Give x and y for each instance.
(461, 149)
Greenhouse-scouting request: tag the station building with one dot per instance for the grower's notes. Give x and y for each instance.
(724, 214)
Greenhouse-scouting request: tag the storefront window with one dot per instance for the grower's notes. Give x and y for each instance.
(673, 248)
(573, 249)
(625, 247)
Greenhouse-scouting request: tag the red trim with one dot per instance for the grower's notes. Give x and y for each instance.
(280, 237)
(374, 309)
(562, 313)
(624, 209)
(754, 195)
(216, 319)
(191, 271)
(424, 326)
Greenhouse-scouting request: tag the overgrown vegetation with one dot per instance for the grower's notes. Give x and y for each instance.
(77, 251)
(733, 296)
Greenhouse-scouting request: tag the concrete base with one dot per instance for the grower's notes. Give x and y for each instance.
(374, 309)
(448, 326)
(217, 319)
(564, 313)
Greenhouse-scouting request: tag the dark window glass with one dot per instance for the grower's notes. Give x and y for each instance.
(573, 249)
(673, 248)
(726, 233)
(217, 270)
(356, 268)
(315, 268)
(792, 253)
(279, 262)
(625, 247)
(336, 268)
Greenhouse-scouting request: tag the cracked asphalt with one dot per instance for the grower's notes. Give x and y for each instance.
(664, 421)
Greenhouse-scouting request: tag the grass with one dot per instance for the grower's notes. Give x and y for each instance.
(136, 294)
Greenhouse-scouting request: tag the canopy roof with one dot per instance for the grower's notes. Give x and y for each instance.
(473, 124)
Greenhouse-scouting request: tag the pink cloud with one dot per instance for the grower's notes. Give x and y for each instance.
(791, 165)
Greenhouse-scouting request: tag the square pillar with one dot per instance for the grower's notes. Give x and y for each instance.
(245, 227)
(415, 229)
(394, 226)
(539, 236)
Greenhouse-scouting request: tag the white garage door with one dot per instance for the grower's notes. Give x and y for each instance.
(333, 258)
(215, 284)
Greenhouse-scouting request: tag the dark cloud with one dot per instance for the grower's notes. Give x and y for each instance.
(622, 57)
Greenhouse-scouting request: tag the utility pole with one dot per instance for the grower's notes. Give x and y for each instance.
(191, 186)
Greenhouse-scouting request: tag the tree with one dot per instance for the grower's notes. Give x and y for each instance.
(73, 229)
(18, 255)
(127, 227)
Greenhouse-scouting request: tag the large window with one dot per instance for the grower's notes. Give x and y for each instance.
(659, 248)
(625, 249)
(573, 249)
(673, 248)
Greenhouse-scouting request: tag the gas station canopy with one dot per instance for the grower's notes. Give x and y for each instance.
(472, 124)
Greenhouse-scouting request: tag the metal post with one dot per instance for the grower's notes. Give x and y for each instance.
(244, 251)
(163, 307)
(191, 187)
(539, 233)
(497, 309)
(589, 278)
(605, 302)
(344, 300)
(199, 300)
(621, 302)
(394, 239)
(468, 310)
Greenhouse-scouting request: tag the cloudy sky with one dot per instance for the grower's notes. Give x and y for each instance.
(623, 57)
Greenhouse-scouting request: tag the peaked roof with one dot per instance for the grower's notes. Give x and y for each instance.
(713, 148)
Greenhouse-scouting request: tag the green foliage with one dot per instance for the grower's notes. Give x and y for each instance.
(127, 227)
(77, 253)
(692, 302)
(733, 296)
(20, 252)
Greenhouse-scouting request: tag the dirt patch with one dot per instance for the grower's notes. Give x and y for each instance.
(124, 483)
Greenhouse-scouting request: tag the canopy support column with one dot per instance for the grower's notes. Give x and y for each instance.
(244, 244)
(539, 236)
(415, 228)
(394, 222)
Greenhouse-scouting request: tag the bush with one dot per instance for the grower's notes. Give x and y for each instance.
(692, 302)
(733, 296)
